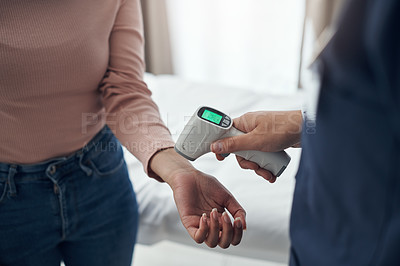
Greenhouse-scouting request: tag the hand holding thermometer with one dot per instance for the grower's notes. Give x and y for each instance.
(208, 125)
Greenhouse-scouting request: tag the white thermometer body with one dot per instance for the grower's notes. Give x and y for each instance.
(208, 125)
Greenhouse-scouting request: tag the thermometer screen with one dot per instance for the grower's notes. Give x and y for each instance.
(211, 116)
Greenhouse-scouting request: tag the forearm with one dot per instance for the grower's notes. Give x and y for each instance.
(130, 111)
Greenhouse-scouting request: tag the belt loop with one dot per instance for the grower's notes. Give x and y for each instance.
(4, 192)
(11, 173)
(84, 168)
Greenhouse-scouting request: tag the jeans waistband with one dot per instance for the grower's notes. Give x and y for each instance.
(103, 135)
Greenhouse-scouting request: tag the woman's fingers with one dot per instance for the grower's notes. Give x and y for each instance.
(201, 234)
(219, 230)
(237, 231)
(227, 231)
(213, 234)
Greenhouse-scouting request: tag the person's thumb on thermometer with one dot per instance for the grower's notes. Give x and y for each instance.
(231, 144)
(236, 143)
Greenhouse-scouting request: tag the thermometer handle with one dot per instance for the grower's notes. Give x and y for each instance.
(275, 162)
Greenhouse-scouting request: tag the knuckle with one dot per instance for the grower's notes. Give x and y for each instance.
(231, 142)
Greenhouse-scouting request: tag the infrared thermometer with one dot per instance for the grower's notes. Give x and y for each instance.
(208, 125)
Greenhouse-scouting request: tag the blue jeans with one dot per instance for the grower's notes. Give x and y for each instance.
(80, 209)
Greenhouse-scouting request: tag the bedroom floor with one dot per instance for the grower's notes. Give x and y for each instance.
(172, 254)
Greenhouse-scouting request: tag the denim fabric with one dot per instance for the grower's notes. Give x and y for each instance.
(80, 209)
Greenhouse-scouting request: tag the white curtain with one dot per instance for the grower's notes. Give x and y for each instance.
(253, 44)
(157, 45)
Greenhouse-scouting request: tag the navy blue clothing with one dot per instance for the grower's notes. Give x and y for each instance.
(81, 209)
(346, 207)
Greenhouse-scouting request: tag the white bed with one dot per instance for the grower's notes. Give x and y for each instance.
(267, 205)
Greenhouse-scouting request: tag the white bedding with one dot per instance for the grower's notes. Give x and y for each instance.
(267, 205)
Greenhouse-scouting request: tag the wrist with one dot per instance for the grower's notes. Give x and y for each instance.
(279, 130)
(291, 127)
(169, 165)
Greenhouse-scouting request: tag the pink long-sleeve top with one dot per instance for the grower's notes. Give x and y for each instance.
(66, 69)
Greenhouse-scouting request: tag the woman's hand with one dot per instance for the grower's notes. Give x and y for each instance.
(201, 201)
(266, 131)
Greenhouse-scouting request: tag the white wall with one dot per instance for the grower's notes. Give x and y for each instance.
(253, 44)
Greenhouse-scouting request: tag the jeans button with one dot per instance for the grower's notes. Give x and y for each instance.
(52, 169)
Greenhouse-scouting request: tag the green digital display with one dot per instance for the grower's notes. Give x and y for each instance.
(211, 116)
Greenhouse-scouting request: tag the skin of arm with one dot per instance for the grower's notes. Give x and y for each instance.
(268, 131)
